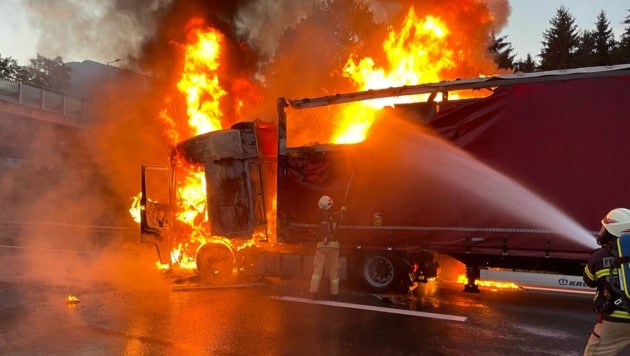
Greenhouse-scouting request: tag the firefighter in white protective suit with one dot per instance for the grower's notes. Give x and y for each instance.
(327, 253)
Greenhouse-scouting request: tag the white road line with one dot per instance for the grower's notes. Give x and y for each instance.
(373, 308)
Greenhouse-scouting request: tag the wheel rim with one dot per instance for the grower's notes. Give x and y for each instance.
(378, 271)
(215, 261)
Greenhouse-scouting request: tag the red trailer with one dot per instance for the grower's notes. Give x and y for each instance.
(516, 178)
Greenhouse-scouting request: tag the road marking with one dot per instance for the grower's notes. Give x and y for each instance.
(373, 308)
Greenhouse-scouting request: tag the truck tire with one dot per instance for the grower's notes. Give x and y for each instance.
(379, 273)
(215, 263)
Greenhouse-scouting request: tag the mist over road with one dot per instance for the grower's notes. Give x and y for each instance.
(140, 312)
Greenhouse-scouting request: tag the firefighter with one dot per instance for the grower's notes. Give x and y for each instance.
(416, 275)
(611, 334)
(327, 252)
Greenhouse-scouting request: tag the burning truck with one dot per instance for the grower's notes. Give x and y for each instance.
(516, 176)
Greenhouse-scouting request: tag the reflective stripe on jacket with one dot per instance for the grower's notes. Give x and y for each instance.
(597, 274)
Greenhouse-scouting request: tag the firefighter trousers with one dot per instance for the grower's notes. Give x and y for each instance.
(608, 338)
(326, 255)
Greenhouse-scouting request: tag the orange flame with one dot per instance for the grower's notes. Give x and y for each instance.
(200, 81)
(134, 210)
(417, 53)
(71, 299)
(192, 196)
(462, 279)
(200, 85)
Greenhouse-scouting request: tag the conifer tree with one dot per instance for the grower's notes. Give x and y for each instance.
(502, 51)
(585, 55)
(622, 52)
(527, 66)
(560, 43)
(604, 41)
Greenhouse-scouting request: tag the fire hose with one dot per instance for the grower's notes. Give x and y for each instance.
(345, 198)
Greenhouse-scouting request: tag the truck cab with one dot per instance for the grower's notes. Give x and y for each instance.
(260, 209)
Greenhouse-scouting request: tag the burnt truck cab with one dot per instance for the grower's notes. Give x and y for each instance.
(234, 201)
(261, 199)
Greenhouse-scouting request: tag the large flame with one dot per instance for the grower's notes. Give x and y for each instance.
(418, 52)
(200, 81)
(200, 85)
(415, 54)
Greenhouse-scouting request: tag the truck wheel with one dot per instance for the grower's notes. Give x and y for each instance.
(215, 263)
(378, 273)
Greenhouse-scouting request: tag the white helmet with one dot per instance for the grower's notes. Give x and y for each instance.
(617, 221)
(325, 202)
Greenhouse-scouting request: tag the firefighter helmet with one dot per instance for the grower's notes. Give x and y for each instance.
(325, 202)
(617, 221)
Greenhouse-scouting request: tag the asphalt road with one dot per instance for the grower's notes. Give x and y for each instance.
(128, 308)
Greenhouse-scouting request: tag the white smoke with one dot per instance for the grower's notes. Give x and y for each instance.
(105, 30)
(92, 29)
(261, 23)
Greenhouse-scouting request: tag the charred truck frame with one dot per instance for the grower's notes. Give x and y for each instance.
(551, 131)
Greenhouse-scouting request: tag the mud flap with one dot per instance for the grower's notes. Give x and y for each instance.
(623, 246)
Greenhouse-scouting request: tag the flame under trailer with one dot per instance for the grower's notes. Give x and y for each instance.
(429, 186)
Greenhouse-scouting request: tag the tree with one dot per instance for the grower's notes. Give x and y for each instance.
(604, 41)
(622, 52)
(560, 42)
(527, 66)
(9, 69)
(502, 51)
(49, 74)
(585, 55)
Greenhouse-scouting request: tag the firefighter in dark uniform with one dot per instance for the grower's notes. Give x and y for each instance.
(611, 334)
(327, 252)
(415, 276)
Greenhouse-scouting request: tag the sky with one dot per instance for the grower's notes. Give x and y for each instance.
(24, 34)
(530, 18)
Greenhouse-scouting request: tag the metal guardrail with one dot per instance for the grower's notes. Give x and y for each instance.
(45, 100)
